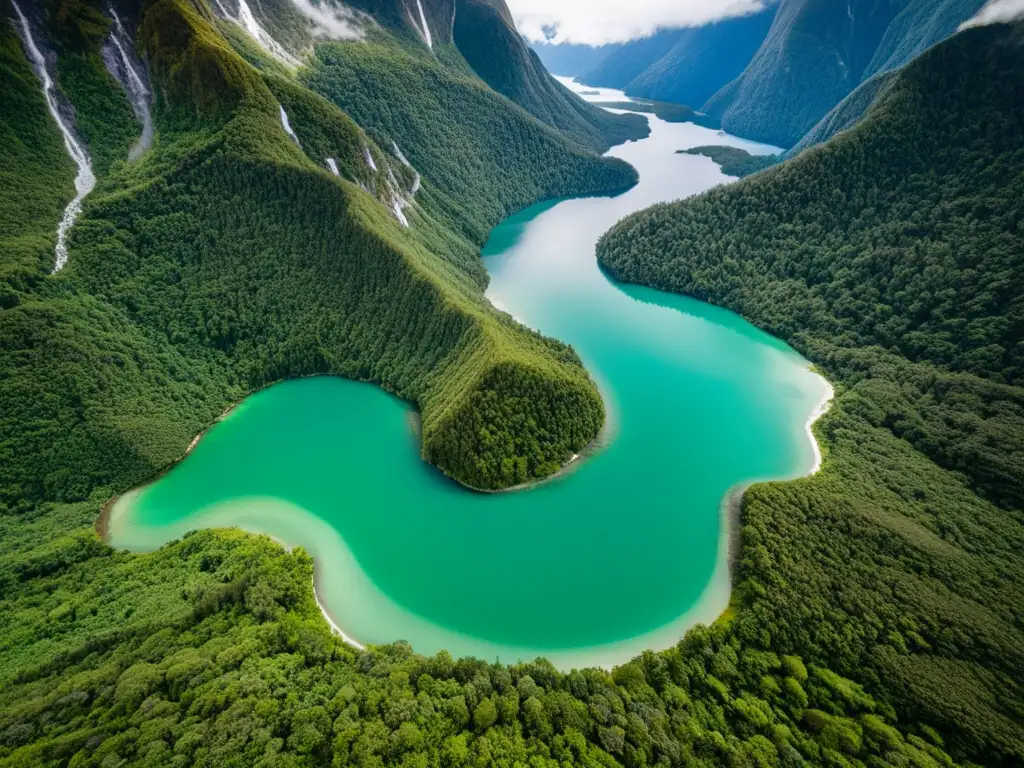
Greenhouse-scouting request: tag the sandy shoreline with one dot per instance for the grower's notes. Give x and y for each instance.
(732, 504)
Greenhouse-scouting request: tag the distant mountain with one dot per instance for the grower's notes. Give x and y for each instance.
(919, 26)
(625, 63)
(703, 60)
(571, 59)
(488, 40)
(684, 66)
(818, 51)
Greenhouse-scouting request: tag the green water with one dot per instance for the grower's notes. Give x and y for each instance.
(622, 553)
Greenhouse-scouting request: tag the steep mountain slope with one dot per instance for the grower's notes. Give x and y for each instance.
(486, 37)
(891, 256)
(815, 54)
(915, 29)
(818, 51)
(703, 60)
(222, 138)
(483, 33)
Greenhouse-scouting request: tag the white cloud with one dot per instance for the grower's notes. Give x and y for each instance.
(996, 11)
(612, 21)
(333, 20)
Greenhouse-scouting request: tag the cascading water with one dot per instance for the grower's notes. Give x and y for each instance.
(256, 30)
(398, 201)
(133, 84)
(85, 180)
(288, 127)
(332, 166)
(368, 157)
(425, 30)
(417, 181)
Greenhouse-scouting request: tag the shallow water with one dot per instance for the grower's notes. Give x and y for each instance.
(623, 553)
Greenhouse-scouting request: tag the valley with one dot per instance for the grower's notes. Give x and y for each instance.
(687, 423)
(371, 397)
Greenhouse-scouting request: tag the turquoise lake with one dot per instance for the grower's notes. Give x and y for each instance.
(623, 552)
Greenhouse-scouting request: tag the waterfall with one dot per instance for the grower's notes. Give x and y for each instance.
(416, 182)
(369, 158)
(425, 30)
(332, 166)
(288, 126)
(398, 201)
(133, 84)
(85, 180)
(256, 30)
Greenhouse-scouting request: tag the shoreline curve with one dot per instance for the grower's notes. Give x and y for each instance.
(715, 599)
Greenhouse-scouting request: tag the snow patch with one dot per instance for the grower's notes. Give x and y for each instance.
(85, 180)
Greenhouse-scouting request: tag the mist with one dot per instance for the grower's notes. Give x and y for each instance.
(996, 11)
(596, 22)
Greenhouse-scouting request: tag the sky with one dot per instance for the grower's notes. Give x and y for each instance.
(612, 21)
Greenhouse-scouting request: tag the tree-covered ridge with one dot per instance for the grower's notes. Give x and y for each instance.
(230, 246)
(891, 257)
(733, 160)
(483, 157)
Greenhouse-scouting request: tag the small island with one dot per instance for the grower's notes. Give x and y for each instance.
(734, 161)
(667, 111)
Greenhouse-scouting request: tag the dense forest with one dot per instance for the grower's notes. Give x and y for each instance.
(734, 161)
(891, 257)
(229, 257)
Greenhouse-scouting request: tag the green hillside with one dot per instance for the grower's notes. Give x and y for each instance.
(229, 257)
(891, 257)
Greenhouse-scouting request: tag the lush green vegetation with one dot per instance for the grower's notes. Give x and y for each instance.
(891, 257)
(670, 113)
(492, 46)
(212, 652)
(226, 258)
(734, 161)
(482, 158)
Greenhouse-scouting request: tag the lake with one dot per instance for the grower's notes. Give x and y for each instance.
(622, 553)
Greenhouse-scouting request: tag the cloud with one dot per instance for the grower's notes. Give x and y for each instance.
(996, 11)
(333, 20)
(612, 21)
